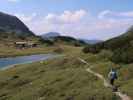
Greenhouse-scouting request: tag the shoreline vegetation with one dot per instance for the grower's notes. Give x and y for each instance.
(43, 49)
(63, 78)
(12, 52)
(53, 56)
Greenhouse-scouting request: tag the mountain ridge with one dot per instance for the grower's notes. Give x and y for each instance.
(121, 46)
(12, 24)
(50, 35)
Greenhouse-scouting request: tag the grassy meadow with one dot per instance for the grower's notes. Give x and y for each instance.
(103, 65)
(64, 78)
(58, 79)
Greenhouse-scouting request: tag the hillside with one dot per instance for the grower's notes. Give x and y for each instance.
(123, 41)
(91, 41)
(121, 46)
(50, 35)
(65, 40)
(11, 24)
(63, 78)
(12, 29)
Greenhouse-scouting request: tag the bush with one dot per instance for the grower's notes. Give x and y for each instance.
(105, 54)
(46, 41)
(58, 50)
(21, 37)
(91, 49)
(77, 44)
(122, 56)
(86, 49)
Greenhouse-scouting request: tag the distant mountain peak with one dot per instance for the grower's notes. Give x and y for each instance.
(92, 41)
(51, 35)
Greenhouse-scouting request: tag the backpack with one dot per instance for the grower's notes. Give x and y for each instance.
(114, 75)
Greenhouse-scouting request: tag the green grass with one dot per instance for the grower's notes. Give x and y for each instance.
(102, 65)
(63, 78)
(6, 51)
(12, 51)
(58, 79)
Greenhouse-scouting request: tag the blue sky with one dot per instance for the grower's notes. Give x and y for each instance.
(90, 19)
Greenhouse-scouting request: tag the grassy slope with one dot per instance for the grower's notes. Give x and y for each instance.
(11, 51)
(102, 65)
(58, 79)
(63, 78)
(7, 47)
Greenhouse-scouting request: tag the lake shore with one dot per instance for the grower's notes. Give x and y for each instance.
(6, 52)
(46, 57)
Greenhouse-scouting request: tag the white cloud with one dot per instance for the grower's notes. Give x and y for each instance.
(26, 18)
(13, 0)
(126, 14)
(109, 13)
(66, 17)
(104, 13)
(80, 23)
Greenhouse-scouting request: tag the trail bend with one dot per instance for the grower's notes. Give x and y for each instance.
(105, 82)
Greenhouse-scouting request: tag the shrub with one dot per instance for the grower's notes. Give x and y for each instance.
(21, 37)
(91, 49)
(122, 56)
(58, 50)
(86, 49)
(106, 54)
(46, 41)
(77, 44)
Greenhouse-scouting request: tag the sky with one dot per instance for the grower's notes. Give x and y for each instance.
(88, 19)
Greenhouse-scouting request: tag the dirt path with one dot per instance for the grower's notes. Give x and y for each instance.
(106, 84)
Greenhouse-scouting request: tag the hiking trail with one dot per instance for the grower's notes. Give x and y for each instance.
(106, 84)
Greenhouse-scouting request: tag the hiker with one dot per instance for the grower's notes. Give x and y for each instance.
(112, 76)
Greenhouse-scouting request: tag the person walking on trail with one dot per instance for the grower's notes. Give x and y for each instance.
(112, 76)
